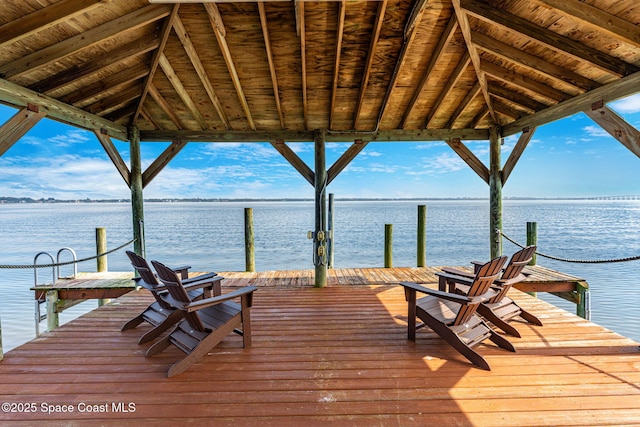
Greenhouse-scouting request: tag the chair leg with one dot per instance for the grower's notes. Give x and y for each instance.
(158, 347)
(530, 318)
(133, 322)
(167, 323)
(502, 341)
(490, 316)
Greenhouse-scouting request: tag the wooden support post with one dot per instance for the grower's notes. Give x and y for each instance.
(532, 239)
(388, 245)
(137, 200)
(330, 236)
(422, 236)
(249, 247)
(495, 192)
(52, 310)
(101, 261)
(320, 184)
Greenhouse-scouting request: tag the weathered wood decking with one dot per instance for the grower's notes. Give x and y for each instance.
(334, 356)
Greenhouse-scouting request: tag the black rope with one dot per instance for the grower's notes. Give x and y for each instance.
(68, 262)
(578, 261)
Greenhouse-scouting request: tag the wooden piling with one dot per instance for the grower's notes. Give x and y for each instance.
(495, 192)
(136, 186)
(320, 184)
(422, 236)
(249, 241)
(101, 248)
(532, 239)
(388, 245)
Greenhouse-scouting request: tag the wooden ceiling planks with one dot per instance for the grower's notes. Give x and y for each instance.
(343, 66)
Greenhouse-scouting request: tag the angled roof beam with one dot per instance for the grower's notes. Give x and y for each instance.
(336, 69)
(601, 19)
(153, 66)
(18, 125)
(382, 7)
(14, 94)
(106, 105)
(344, 160)
(294, 160)
(409, 34)
(272, 65)
(469, 158)
(112, 82)
(523, 82)
(115, 56)
(68, 47)
(183, 35)
(220, 32)
(164, 105)
(451, 82)
(619, 89)
(114, 155)
(300, 27)
(463, 21)
(517, 151)
(532, 62)
(548, 38)
(173, 78)
(43, 19)
(163, 160)
(475, 90)
(443, 42)
(617, 127)
(506, 110)
(516, 98)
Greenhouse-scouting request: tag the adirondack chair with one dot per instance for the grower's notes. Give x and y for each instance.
(500, 309)
(453, 316)
(206, 322)
(160, 314)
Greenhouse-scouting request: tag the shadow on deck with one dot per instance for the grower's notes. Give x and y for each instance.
(337, 356)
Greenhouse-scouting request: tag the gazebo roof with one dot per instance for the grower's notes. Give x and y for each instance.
(390, 69)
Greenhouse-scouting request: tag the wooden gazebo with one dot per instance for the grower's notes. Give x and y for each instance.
(317, 71)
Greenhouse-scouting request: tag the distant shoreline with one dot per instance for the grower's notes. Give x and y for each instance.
(29, 200)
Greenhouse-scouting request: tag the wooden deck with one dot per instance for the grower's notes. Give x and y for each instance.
(332, 356)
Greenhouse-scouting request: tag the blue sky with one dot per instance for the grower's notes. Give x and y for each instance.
(573, 157)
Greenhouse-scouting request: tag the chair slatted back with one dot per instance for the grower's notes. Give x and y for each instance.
(146, 275)
(482, 282)
(513, 269)
(172, 282)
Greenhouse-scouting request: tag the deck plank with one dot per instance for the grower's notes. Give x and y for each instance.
(338, 356)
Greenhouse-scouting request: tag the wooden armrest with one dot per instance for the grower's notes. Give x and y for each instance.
(463, 280)
(199, 278)
(183, 271)
(455, 271)
(242, 292)
(461, 299)
(209, 282)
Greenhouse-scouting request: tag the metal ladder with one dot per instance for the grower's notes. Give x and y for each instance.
(55, 275)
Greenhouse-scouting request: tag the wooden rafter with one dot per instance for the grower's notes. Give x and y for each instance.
(616, 90)
(532, 62)
(302, 33)
(18, 125)
(517, 151)
(469, 158)
(411, 29)
(218, 29)
(164, 105)
(475, 90)
(506, 110)
(83, 70)
(617, 127)
(515, 97)
(114, 155)
(110, 83)
(106, 105)
(272, 65)
(153, 66)
(548, 38)
(83, 40)
(523, 82)
(463, 21)
(461, 67)
(336, 68)
(173, 78)
(382, 7)
(149, 118)
(183, 35)
(443, 42)
(600, 19)
(163, 160)
(42, 19)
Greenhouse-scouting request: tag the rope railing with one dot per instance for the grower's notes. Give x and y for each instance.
(76, 261)
(577, 261)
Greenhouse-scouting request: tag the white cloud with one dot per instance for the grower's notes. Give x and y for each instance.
(630, 104)
(595, 131)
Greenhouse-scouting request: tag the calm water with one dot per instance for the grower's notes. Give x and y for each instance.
(209, 237)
